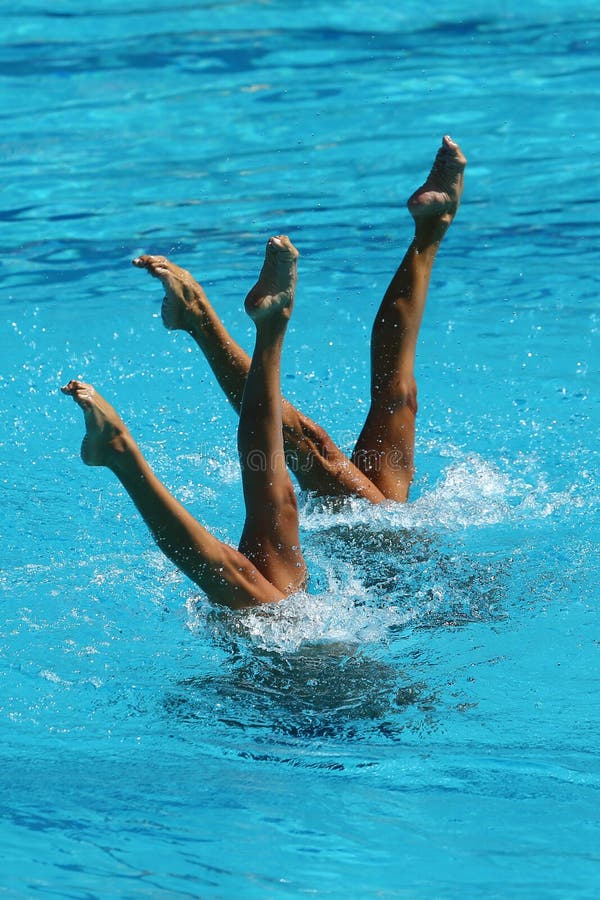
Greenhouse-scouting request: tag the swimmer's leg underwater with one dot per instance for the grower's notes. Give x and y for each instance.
(385, 448)
(270, 535)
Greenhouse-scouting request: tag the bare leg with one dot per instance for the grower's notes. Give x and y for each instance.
(385, 447)
(270, 538)
(317, 462)
(221, 571)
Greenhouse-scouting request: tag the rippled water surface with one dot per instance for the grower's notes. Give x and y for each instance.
(424, 721)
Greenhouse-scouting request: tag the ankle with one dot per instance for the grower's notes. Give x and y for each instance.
(270, 335)
(198, 323)
(118, 450)
(429, 234)
(426, 246)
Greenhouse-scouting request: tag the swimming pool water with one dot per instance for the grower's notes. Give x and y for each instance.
(424, 722)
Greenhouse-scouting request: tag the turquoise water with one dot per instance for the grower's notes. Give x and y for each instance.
(425, 722)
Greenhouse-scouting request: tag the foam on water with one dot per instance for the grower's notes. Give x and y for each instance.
(473, 492)
(377, 570)
(420, 720)
(338, 615)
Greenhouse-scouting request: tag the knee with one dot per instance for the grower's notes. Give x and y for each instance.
(288, 500)
(396, 395)
(320, 441)
(280, 502)
(303, 438)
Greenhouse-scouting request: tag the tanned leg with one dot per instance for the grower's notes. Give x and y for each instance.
(318, 464)
(385, 448)
(224, 574)
(270, 538)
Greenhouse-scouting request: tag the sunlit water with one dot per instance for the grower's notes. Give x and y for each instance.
(423, 722)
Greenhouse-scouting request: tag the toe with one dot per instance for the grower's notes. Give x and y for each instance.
(147, 261)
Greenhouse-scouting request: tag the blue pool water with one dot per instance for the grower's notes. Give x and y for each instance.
(424, 723)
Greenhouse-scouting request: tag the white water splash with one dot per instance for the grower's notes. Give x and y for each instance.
(342, 614)
(332, 617)
(382, 569)
(471, 493)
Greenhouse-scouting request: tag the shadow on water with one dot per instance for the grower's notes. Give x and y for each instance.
(436, 581)
(397, 593)
(354, 660)
(326, 692)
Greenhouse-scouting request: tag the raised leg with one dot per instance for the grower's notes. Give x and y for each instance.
(224, 574)
(316, 461)
(385, 448)
(270, 538)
